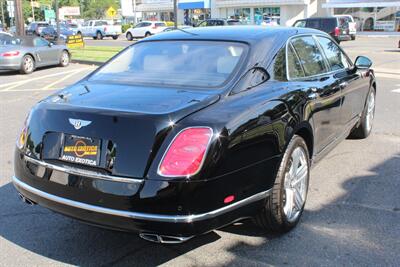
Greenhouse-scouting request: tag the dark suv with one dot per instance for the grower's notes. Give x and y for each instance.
(332, 25)
(36, 28)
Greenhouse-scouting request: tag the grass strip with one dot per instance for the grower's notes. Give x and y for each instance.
(95, 53)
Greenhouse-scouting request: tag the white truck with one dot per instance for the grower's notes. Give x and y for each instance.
(98, 29)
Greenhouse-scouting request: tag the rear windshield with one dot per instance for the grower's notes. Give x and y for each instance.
(175, 63)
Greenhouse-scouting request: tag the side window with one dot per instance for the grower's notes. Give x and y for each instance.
(219, 23)
(314, 23)
(40, 42)
(160, 24)
(146, 24)
(210, 23)
(300, 23)
(337, 60)
(310, 56)
(293, 63)
(139, 25)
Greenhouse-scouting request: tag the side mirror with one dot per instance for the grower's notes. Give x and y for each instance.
(363, 62)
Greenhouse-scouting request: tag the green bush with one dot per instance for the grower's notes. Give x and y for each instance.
(125, 27)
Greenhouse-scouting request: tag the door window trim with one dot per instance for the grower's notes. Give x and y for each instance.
(327, 65)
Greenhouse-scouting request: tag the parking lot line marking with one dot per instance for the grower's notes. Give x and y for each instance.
(13, 85)
(396, 91)
(49, 86)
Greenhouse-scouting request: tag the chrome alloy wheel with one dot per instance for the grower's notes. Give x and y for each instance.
(28, 64)
(295, 185)
(370, 111)
(64, 58)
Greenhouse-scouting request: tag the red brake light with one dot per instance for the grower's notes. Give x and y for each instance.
(186, 153)
(337, 31)
(10, 54)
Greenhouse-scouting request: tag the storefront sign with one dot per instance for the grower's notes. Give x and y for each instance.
(193, 4)
(70, 11)
(385, 25)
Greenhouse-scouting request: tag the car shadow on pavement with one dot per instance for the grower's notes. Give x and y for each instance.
(360, 228)
(16, 72)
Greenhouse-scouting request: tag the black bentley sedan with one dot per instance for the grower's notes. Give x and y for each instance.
(188, 131)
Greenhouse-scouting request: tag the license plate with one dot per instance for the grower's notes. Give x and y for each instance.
(82, 150)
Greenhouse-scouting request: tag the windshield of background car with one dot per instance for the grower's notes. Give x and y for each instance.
(175, 63)
(8, 40)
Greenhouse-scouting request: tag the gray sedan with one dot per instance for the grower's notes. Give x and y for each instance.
(28, 53)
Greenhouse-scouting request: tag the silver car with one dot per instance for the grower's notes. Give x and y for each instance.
(28, 53)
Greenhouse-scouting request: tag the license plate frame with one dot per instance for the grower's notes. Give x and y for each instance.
(81, 150)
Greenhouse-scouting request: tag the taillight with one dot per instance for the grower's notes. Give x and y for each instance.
(10, 54)
(186, 153)
(337, 31)
(154, 27)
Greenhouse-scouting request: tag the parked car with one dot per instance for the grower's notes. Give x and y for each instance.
(145, 29)
(219, 22)
(352, 24)
(50, 33)
(183, 133)
(35, 28)
(271, 21)
(28, 53)
(331, 25)
(6, 38)
(98, 29)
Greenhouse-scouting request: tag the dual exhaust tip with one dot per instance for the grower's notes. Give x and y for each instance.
(155, 238)
(164, 239)
(26, 200)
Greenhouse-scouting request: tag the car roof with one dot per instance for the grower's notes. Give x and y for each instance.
(321, 18)
(243, 33)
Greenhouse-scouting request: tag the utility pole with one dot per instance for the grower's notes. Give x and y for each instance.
(176, 14)
(19, 18)
(3, 21)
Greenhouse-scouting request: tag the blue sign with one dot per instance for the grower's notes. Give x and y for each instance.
(193, 4)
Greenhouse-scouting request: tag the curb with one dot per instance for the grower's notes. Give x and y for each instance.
(87, 62)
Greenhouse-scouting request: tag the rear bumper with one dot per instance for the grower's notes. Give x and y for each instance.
(181, 208)
(177, 225)
(10, 63)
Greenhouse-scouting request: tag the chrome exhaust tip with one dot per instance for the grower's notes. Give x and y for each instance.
(164, 239)
(26, 200)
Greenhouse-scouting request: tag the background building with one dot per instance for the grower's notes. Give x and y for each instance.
(370, 15)
(383, 15)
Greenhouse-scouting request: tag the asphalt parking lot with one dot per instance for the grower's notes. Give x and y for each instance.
(352, 214)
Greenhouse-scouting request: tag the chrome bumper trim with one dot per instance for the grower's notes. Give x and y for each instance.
(85, 173)
(138, 215)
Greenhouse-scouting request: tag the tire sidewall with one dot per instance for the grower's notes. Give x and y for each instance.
(295, 142)
(23, 70)
(367, 132)
(129, 36)
(61, 57)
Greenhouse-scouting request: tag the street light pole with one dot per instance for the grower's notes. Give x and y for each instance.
(33, 11)
(57, 20)
(176, 14)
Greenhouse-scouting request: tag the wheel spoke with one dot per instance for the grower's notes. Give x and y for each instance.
(288, 208)
(298, 199)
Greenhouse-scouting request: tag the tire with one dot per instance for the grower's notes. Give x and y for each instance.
(280, 215)
(27, 65)
(147, 34)
(79, 33)
(115, 37)
(129, 36)
(364, 128)
(99, 36)
(94, 38)
(64, 59)
(353, 37)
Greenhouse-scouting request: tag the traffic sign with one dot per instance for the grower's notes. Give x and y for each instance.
(111, 12)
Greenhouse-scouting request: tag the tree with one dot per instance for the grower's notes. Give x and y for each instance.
(95, 9)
